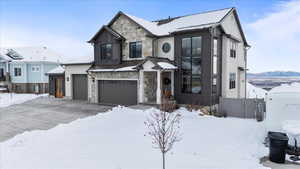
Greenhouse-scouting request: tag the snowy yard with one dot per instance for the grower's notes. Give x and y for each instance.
(115, 140)
(7, 99)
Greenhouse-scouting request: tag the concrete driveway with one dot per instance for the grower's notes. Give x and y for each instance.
(43, 113)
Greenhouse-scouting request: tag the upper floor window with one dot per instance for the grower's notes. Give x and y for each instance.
(233, 47)
(232, 80)
(215, 65)
(106, 51)
(135, 49)
(191, 64)
(215, 57)
(17, 71)
(35, 68)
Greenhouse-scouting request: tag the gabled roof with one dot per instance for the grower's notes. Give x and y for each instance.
(84, 60)
(31, 54)
(240, 27)
(159, 63)
(57, 70)
(181, 22)
(111, 31)
(165, 27)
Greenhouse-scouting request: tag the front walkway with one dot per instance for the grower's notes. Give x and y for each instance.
(43, 113)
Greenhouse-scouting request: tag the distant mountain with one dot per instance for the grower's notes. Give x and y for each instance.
(274, 74)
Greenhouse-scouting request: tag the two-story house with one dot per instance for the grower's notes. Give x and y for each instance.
(197, 58)
(25, 68)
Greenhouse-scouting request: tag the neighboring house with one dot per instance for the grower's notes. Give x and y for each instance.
(76, 78)
(26, 68)
(4, 69)
(197, 58)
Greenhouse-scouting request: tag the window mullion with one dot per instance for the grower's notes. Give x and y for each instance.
(191, 62)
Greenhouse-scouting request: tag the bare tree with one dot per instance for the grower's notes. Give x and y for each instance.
(164, 130)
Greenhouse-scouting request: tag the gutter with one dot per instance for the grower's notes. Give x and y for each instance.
(83, 63)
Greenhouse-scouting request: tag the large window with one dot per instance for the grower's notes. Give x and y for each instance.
(191, 64)
(215, 65)
(232, 80)
(135, 49)
(233, 47)
(17, 71)
(106, 51)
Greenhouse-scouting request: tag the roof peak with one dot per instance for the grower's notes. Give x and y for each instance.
(203, 12)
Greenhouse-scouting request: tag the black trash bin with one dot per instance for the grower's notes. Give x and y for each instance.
(278, 146)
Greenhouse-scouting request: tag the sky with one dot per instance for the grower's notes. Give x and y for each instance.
(272, 27)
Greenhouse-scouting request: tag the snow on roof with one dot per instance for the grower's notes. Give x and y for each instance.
(33, 54)
(80, 60)
(166, 65)
(3, 55)
(195, 21)
(122, 69)
(286, 88)
(57, 70)
(255, 92)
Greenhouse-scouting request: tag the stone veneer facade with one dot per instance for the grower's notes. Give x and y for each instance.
(132, 33)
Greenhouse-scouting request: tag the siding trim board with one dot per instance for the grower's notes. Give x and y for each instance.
(105, 37)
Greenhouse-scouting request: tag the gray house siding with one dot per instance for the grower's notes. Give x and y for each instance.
(104, 38)
(216, 96)
(205, 97)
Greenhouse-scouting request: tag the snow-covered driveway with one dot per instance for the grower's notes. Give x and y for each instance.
(43, 113)
(8, 99)
(115, 140)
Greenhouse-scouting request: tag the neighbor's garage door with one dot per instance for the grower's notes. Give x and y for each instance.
(120, 92)
(80, 87)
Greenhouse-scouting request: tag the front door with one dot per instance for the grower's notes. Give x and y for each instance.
(166, 84)
(58, 87)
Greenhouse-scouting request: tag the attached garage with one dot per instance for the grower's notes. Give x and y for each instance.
(80, 86)
(117, 92)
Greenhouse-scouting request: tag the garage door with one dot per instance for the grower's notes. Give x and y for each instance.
(119, 92)
(80, 87)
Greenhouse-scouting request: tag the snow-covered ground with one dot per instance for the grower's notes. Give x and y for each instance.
(255, 92)
(7, 99)
(115, 140)
(287, 88)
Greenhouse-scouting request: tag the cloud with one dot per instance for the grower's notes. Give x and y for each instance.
(15, 36)
(275, 39)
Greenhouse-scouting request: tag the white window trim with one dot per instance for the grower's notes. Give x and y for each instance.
(14, 71)
(35, 68)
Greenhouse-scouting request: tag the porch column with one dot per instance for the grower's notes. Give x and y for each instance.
(172, 82)
(158, 89)
(141, 86)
